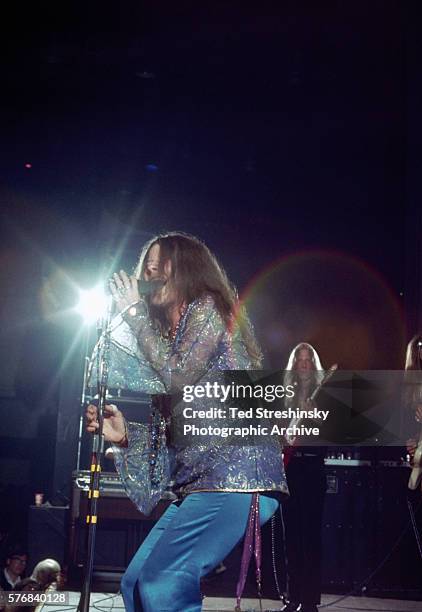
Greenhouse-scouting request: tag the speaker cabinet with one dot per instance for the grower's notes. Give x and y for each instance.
(47, 531)
(398, 560)
(348, 527)
(120, 530)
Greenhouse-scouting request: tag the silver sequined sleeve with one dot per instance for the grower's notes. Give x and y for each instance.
(195, 348)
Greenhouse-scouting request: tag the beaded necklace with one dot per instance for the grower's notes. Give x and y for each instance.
(174, 331)
(157, 420)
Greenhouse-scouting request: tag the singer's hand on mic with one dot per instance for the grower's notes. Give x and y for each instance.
(124, 290)
(114, 427)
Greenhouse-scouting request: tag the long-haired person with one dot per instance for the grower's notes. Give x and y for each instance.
(413, 394)
(414, 353)
(307, 485)
(186, 330)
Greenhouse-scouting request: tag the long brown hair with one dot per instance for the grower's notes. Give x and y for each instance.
(413, 388)
(195, 273)
(414, 353)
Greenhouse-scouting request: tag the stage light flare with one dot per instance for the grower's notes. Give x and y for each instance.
(92, 304)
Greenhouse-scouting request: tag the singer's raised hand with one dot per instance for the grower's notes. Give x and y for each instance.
(124, 290)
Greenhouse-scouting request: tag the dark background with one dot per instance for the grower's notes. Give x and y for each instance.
(284, 134)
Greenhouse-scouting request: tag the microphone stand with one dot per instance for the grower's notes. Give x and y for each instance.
(96, 458)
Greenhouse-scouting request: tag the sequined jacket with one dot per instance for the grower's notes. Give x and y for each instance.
(143, 360)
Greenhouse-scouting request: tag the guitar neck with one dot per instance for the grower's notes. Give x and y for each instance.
(325, 378)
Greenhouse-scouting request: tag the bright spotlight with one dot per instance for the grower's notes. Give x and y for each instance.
(92, 304)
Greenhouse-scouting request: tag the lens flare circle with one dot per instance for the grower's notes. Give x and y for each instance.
(331, 299)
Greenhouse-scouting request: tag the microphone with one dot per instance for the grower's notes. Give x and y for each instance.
(148, 287)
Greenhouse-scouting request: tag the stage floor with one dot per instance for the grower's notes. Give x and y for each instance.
(103, 602)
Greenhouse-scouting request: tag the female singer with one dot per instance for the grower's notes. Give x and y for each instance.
(189, 328)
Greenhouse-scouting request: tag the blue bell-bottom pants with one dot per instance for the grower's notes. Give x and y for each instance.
(185, 544)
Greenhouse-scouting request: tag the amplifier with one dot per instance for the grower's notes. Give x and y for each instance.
(368, 538)
(121, 528)
(398, 559)
(110, 483)
(47, 533)
(348, 526)
(113, 501)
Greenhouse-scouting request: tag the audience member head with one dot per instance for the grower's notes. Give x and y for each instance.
(16, 561)
(46, 572)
